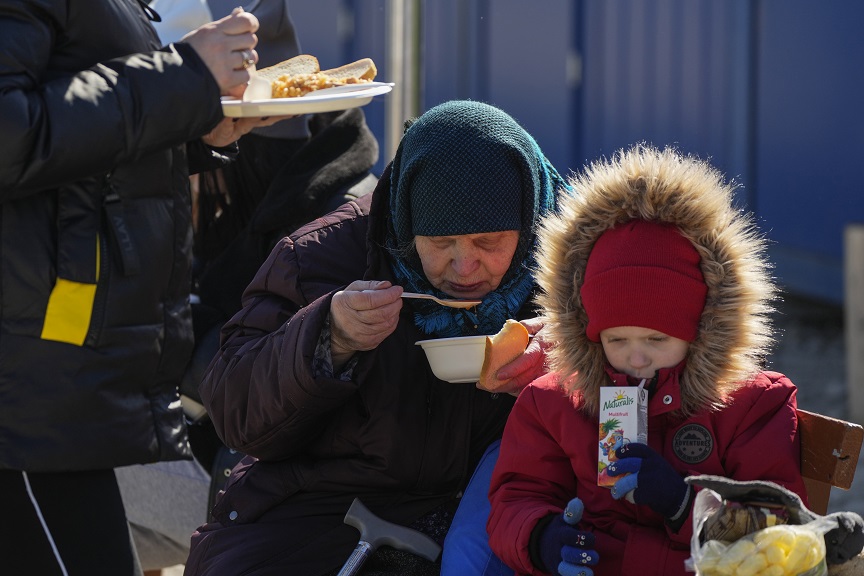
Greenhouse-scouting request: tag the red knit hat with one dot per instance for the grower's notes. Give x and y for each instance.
(644, 274)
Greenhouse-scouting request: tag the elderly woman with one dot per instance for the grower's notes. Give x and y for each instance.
(319, 379)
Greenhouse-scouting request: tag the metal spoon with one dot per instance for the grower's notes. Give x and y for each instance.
(452, 302)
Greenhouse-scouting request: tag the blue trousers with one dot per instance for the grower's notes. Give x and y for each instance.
(466, 548)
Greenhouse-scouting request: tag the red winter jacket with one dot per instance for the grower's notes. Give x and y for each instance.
(549, 455)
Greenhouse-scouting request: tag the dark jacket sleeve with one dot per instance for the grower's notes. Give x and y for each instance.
(59, 126)
(260, 390)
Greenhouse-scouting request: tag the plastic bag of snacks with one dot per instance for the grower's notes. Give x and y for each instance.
(755, 538)
(784, 550)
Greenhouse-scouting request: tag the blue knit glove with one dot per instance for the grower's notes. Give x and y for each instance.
(565, 548)
(652, 480)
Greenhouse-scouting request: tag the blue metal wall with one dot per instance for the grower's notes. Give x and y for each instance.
(810, 134)
(514, 56)
(669, 72)
(337, 32)
(768, 90)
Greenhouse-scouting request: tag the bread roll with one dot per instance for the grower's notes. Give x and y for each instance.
(502, 348)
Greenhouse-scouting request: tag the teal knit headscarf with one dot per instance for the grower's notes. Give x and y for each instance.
(466, 167)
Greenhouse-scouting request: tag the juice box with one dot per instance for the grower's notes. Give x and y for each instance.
(623, 419)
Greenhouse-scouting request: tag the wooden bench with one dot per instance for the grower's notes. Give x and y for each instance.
(829, 455)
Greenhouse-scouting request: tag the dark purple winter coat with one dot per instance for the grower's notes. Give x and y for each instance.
(393, 434)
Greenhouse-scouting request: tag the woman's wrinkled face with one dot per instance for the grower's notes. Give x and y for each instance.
(640, 352)
(467, 265)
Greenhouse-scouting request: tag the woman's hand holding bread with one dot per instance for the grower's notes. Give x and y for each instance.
(513, 359)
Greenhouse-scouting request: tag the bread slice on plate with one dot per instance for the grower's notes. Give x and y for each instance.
(302, 64)
(363, 69)
(502, 348)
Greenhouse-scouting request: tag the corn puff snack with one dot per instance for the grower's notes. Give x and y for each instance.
(782, 550)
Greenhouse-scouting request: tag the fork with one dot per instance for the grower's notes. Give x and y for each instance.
(452, 302)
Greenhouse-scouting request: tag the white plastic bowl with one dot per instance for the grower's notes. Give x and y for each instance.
(455, 360)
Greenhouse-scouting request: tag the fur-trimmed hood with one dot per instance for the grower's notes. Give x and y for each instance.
(665, 186)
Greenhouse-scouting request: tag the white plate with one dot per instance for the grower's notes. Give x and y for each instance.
(309, 104)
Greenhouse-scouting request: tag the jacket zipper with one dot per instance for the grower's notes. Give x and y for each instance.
(101, 300)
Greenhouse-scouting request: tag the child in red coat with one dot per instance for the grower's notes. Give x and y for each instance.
(650, 276)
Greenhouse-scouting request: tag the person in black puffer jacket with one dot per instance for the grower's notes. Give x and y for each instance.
(101, 127)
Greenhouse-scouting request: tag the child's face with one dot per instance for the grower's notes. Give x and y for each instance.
(640, 352)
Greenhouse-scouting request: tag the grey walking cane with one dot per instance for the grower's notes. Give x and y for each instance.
(375, 532)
